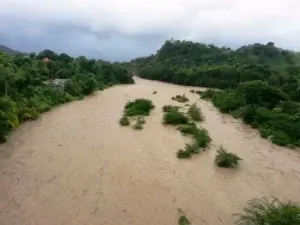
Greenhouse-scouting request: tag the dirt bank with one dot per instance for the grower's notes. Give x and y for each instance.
(76, 165)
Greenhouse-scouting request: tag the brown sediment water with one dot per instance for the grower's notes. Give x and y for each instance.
(76, 165)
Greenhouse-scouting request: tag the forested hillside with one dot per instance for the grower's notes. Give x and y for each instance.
(260, 83)
(31, 85)
(8, 50)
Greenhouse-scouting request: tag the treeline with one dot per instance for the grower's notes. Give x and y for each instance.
(260, 83)
(35, 83)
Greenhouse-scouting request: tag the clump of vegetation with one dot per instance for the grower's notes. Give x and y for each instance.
(195, 113)
(124, 121)
(139, 123)
(154, 92)
(184, 221)
(201, 138)
(138, 107)
(200, 141)
(180, 98)
(188, 129)
(174, 117)
(188, 151)
(226, 159)
(269, 212)
(168, 108)
(183, 154)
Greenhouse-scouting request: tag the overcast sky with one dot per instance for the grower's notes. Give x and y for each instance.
(124, 29)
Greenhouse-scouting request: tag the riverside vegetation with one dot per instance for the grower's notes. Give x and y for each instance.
(27, 89)
(259, 83)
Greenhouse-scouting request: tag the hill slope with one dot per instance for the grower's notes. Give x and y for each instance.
(8, 50)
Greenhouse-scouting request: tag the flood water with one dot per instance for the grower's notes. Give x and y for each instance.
(76, 166)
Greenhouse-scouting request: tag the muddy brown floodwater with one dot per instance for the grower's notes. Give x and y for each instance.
(76, 165)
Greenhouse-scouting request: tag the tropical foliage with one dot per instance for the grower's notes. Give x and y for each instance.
(28, 83)
(259, 83)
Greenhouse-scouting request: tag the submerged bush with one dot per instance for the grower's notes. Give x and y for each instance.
(180, 98)
(168, 108)
(269, 212)
(124, 121)
(201, 138)
(138, 107)
(139, 123)
(184, 221)
(188, 129)
(183, 154)
(195, 113)
(200, 141)
(188, 151)
(175, 117)
(226, 159)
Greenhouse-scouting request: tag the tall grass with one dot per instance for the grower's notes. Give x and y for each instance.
(195, 113)
(269, 212)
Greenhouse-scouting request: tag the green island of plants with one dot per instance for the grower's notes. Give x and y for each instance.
(226, 159)
(259, 83)
(200, 137)
(138, 107)
(174, 117)
(200, 141)
(35, 83)
(136, 110)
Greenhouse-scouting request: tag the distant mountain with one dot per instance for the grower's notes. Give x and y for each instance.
(8, 50)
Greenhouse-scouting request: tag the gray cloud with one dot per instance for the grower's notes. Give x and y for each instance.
(121, 30)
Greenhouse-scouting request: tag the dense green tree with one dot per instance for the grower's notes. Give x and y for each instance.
(260, 82)
(27, 86)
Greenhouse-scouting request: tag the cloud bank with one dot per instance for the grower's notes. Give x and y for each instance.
(121, 30)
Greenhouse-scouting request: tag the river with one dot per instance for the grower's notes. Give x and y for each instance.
(76, 165)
